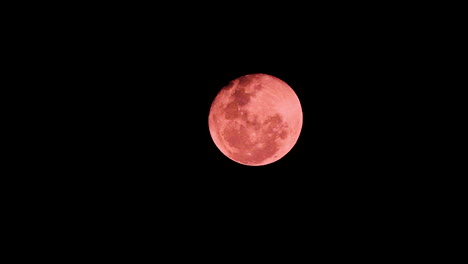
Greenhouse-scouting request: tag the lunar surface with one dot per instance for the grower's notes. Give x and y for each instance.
(256, 119)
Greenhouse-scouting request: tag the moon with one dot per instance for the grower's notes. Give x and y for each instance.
(256, 119)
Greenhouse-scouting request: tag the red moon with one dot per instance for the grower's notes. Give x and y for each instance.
(256, 119)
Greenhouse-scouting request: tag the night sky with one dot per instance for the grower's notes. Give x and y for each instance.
(145, 149)
(156, 111)
(123, 156)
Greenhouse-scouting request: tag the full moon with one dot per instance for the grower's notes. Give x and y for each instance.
(256, 119)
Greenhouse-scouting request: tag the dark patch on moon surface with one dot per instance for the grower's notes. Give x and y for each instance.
(245, 80)
(241, 97)
(237, 137)
(231, 111)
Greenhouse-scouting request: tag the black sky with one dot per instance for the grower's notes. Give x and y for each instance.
(157, 88)
(146, 85)
(135, 149)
